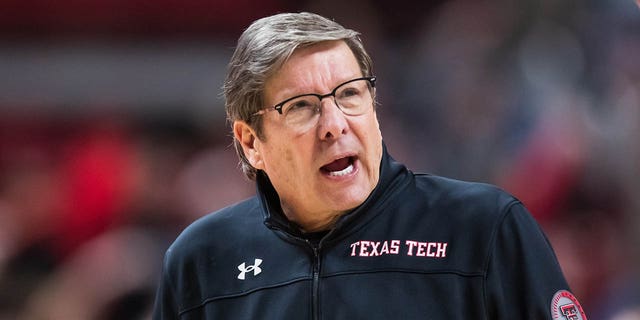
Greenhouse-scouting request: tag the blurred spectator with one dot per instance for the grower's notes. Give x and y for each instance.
(111, 276)
(99, 174)
(30, 207)
(208, 181)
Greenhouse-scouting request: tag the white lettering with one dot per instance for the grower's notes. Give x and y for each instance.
(395, 246)
(366, 248)
(426, 249)
(385, 248)
(421, 251)
(430, 246)
(353, 248)
(411, 244)
(363, 248)
(374, 248)
(442, 250)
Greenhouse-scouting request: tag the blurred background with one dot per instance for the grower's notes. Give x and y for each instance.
(113, 135)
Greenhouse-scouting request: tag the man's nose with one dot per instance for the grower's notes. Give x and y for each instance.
(333, 122)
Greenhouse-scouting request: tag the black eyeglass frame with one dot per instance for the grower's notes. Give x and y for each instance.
(279, 106)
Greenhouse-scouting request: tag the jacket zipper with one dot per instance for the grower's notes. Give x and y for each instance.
(315, 296)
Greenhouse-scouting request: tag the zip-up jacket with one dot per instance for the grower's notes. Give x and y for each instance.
(420, 247)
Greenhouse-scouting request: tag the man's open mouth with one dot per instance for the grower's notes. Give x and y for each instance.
(339, 167)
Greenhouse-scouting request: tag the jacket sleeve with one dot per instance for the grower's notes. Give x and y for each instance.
(522, 272)
(166, 306)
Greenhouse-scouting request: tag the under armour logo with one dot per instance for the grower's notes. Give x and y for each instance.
(255, 268)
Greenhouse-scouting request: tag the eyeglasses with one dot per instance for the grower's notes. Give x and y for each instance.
(353, 98)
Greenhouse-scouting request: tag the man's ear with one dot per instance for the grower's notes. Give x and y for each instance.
(249, 142)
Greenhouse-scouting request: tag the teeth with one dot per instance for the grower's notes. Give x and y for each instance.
(342, 172)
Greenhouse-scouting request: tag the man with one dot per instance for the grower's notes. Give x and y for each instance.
(338, 229)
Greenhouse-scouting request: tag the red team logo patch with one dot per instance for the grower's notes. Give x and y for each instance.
(564, 306)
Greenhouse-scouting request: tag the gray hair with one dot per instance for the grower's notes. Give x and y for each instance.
(261, 51)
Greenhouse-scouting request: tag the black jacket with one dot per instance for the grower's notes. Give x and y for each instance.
(420, 247)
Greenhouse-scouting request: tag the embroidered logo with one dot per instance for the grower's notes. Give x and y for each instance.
(255, 268)
(427, 249)
(564, 306)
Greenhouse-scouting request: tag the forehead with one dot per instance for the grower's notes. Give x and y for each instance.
(316, 68)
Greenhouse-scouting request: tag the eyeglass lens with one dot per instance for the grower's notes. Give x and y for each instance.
(353, 98)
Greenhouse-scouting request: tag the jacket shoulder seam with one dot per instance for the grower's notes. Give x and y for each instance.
(491, 248)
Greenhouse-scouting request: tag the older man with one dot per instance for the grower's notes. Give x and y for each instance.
(338, 229)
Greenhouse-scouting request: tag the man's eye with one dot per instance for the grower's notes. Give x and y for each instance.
(349, 92)
(300, 104)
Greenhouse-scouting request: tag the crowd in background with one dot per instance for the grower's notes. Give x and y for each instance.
(539, 97)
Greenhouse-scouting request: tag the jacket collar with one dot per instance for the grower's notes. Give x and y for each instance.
(393, 175)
